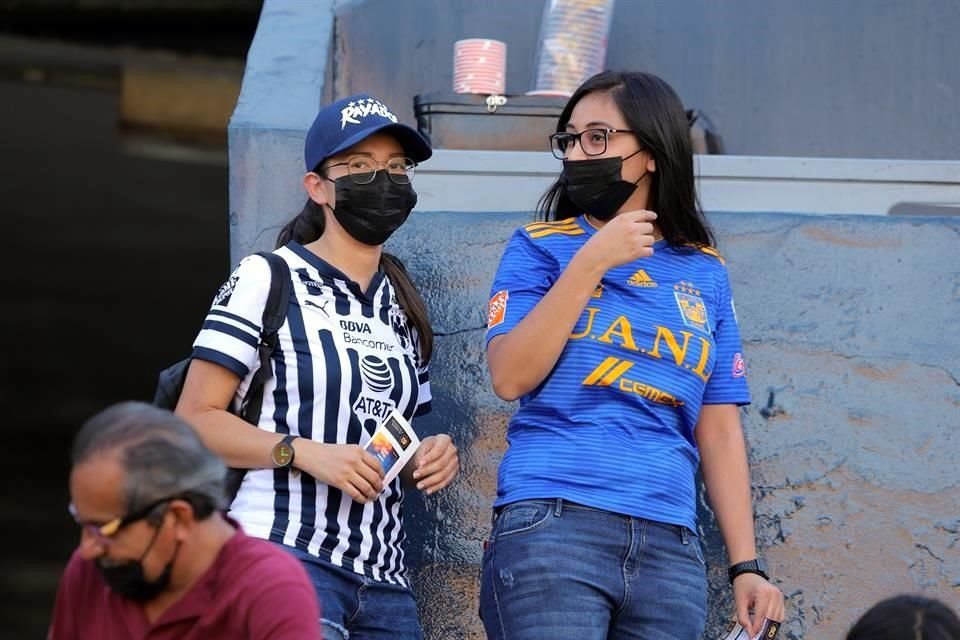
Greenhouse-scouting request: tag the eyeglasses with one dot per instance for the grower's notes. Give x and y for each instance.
(104, 532)
(593, 142)
(363, 169)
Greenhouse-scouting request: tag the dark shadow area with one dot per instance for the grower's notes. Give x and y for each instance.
(113, 247)
(111, 260)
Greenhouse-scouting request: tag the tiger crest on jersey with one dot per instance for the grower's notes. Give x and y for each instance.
(692, 309)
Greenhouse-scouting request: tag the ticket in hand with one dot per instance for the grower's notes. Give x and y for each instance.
(393, 444)
(768, 631)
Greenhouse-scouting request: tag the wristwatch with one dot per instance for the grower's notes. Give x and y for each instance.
(282, 453)
(756, 566)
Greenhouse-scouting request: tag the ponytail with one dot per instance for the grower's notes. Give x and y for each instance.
(306, 227)
(309, 224)
(410, 301)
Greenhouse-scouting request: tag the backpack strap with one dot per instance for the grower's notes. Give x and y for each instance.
(274, 315)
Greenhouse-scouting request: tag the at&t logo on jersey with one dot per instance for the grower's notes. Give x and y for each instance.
(377, 382)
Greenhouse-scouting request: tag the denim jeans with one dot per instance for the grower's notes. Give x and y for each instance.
(355, 607)
(554, 570)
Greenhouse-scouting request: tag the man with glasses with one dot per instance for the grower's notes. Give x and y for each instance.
(157, 558)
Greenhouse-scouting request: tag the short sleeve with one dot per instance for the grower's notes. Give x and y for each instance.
(231, 331)
(424, 396)
(524, 276)
(728, 382)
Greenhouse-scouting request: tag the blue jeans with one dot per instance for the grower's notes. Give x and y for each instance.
(554, 570)
(355, 607)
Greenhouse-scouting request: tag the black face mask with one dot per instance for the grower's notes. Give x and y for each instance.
(127, 579)
(596, 186)
(370, 213)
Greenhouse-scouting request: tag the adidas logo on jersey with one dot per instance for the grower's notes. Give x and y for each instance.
(641, 279)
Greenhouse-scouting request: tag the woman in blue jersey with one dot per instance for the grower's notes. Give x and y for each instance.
(354, 346)
(612, 322)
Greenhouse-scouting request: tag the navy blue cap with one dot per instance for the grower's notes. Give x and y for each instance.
(346, 122)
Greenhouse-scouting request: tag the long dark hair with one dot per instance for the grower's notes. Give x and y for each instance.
(907, 617)
(654, 113)
(308, 225)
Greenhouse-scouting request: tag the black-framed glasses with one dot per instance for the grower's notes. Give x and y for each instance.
(593, 142)
(104, 532)
(363, 169)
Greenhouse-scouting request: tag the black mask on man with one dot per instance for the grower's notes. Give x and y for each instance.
(596, 186)
(370, 213)
(127, 578)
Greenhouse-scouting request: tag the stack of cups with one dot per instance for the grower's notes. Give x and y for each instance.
(573, 44)
(479, 66)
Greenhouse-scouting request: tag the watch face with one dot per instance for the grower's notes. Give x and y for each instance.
(282, 454)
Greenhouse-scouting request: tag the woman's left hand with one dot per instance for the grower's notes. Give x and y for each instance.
(435, 463)
(752, 593)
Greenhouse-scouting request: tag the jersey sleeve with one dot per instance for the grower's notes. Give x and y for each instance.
(524, 276)
(231, 331)
(728, 382)
(424, 396)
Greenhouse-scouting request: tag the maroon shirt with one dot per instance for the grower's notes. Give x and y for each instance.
(253, 590)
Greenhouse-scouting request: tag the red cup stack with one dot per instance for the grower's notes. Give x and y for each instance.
(479, 66)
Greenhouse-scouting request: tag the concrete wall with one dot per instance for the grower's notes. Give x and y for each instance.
(285, 82)
(457, 179)
(850, 328)
(842, 78)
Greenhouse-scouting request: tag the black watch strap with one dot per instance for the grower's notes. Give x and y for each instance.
(756, 566)
(285, 446)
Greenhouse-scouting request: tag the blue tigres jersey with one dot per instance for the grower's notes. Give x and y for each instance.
(612, 425)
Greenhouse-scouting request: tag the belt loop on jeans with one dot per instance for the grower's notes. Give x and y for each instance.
(558, 509)
(684, 536)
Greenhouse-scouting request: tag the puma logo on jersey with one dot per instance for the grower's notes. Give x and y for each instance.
(641, 279)
(322, 307)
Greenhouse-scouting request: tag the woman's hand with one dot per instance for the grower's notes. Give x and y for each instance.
(625, 238)
(435, 464)
(752, 593)
(344, 466)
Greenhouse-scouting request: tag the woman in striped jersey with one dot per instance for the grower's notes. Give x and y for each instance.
(355, 346)
(612, 322)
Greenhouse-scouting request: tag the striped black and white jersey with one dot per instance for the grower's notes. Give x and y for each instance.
(345, 359)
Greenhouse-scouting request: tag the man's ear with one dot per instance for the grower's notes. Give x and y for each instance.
(184, 517)
(316, 188)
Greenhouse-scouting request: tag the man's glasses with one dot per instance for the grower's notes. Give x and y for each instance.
(104, 532)
(593, 142)
(363, 169)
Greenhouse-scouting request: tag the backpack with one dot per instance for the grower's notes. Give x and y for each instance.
(170, 383)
